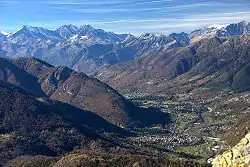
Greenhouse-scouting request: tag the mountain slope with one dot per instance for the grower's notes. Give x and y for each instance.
(26, 33)
(216, 62)
(105, 158)
(3, 36)
(28, 126)
(67, 86)
(12, 74)
(226, 30)
(67, 31)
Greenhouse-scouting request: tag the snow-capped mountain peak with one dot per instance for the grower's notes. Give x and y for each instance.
(147, 36)
(220, 30)
(35, 32)
(70, 27)
(129, 38)
(30, 29)
(3, 36)
(5, 33)
(87, 26)
(68, 31)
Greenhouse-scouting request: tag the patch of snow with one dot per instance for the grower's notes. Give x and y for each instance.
(74, 37)
(218, 26)
(5, 33)
(39, 32)
(84, 37)
(169, 44)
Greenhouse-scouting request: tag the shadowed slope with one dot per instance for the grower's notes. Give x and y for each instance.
(67, 86)
(28, 126)
(17, 76)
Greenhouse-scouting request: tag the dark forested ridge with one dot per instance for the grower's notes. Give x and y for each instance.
(31, 126)
(77, 89)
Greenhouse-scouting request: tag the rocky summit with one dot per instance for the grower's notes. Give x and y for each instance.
(239, 155)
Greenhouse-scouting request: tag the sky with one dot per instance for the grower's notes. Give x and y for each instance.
(123, 16)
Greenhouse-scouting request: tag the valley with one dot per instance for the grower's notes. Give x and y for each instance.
(198, 126)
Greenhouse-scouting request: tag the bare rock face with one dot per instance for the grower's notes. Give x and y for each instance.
(237, 156)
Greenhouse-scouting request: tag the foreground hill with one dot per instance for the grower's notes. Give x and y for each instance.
(105, 158)
(31, 127)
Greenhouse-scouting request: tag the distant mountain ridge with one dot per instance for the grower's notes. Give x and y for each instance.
(85, 33)
(221, 30)
(86, 49)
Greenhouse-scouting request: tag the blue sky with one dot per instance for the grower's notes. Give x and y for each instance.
(123, 16)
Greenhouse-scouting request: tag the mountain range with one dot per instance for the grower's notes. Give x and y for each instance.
(216, 62)
(84, 49)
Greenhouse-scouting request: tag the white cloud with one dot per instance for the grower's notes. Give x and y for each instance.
(178, 18)
(96, 2)
(156, 25)
(126, 10)
(9, 2)
(163, 25)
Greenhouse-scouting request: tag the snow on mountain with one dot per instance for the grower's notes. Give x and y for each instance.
(220, 30)
(148, 36)
(68, 31)
(87, 32)
(218, 26)
(129, 38)
(5, 33)
(35, 32)
(84, 37)
(235, 29)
